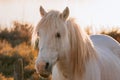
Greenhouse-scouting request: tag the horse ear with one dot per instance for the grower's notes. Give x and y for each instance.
(65, 13)
(42, 11)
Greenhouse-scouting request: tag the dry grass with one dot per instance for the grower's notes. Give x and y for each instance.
(14, 44)
(4, 78)
(8, 55)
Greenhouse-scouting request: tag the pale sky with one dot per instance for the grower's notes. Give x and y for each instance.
(86, 12)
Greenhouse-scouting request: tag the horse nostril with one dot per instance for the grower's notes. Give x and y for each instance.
(47, 65)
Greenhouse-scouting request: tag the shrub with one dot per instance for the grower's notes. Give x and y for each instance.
(9, 55)
(19, 33)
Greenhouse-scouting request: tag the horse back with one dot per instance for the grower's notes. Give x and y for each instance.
(106, 42)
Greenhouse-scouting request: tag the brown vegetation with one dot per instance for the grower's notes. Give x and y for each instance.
(14, 44)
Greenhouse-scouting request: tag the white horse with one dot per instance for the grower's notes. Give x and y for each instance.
(68, 53)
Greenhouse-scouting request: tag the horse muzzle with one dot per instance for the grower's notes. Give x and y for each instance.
(44, 69)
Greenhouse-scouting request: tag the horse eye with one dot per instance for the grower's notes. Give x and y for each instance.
(57, 35)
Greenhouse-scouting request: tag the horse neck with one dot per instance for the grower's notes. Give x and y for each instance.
(81, 52)
(64, 69)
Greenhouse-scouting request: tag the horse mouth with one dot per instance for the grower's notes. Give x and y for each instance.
(45, 75)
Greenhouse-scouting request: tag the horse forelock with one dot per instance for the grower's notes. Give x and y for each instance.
(82, 49)
(46, 21)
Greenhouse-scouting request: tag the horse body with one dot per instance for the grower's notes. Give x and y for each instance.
(70, 54)
(108, 51)
(104, 41)
(107, 65)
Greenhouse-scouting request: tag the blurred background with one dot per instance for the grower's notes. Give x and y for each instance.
(18, 17)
